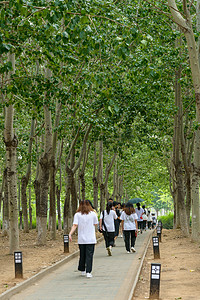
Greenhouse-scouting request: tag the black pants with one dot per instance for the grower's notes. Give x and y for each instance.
(140, 225)
(109, 238)
(149, 224)
(86, 257)
(117, 223)
(129, 239)
(144, 224)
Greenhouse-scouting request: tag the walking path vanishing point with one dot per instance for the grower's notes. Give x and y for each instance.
(114, 277)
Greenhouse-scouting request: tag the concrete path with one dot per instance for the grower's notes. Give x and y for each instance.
(114, 277)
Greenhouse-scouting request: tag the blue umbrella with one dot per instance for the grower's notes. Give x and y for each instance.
(135, 200)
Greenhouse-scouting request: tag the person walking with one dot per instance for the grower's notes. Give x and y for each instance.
(139, 211)
(129, 226)
(85, 219)
(149, 219)
(106, 223)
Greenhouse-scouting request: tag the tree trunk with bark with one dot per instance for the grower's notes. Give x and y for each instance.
(11, 158)
(5, 228)
(186, 26)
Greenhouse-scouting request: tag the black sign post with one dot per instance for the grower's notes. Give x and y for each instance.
(156, 251)
(66, 243)
(155, 281)
(159, 232)
(18, 264)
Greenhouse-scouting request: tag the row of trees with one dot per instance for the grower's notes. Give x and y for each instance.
(87, 92)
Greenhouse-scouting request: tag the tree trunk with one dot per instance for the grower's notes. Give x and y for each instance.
(11, 156)
(5, 229)
(58, 208)
(186, 25)
(67, 209)
(24, 203)
(44, 187)
(25, 180)
(95, 180)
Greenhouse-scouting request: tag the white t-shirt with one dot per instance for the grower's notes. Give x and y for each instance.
(129, 221)
(109, 220)
(139, 214)
(86, 228)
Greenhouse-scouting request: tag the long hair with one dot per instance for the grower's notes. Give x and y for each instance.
(129, 210)
(84, 207)
(109, 207)
(138, 205)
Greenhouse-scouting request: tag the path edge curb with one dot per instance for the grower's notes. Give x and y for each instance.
(140, 267)
(26, 283)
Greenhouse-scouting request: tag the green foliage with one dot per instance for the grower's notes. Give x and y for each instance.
(167, 221)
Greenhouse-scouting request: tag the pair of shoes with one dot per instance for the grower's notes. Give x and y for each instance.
(133, 249)
(88, 275)
(83, 273)
(128, 252)
(109, 249)
(121, 235)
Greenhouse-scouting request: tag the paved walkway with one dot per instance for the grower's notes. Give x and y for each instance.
(113, 277)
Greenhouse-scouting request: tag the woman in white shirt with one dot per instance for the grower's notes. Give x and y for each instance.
(85, 219)
(106, 223)
(129, 227)
(139, 211)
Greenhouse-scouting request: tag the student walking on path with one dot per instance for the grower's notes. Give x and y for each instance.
(85, 219)
(106, 223)
(129, 226)
(139, 211)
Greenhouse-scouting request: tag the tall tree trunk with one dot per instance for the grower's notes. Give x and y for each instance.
(186, 25)
(95, 180)
(53, 174)
(5, 229)
(180, 196)
(25, 180)
(58, 208)
(30, 210)
(67, 209)
(45, 163)
(11, 156)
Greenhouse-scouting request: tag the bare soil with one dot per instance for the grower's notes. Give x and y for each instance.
(180, 264)
(180, 269)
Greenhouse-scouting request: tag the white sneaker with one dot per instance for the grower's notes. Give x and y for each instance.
(83, 273)
(133, 249)
(88, 275)
(128, 252)
(109, 249)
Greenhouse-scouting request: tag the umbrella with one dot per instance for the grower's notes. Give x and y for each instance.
(135, 200)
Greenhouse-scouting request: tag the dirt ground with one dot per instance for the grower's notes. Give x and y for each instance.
(180, 269)
(180, 264)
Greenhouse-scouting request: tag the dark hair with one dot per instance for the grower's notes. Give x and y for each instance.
(129, 209)
(109, 207)
(138, 205)
(84, 207)
(115, 203)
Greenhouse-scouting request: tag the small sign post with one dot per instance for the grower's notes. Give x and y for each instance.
(159, 233)
(160, 225)
(18, 264)
(66, 243)
(156, 251)
(155, 281)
